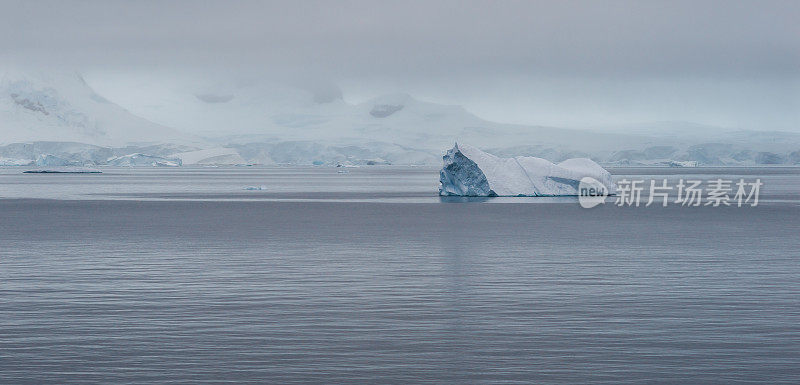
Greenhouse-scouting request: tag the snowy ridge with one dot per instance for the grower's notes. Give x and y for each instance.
(60, 106)
(58, 114)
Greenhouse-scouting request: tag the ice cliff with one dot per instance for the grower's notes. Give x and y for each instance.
(134, 160)
(469, 171)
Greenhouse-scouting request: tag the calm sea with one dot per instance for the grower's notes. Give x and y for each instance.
(308, 275)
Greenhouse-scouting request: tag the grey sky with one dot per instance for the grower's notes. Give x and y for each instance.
(551, 62)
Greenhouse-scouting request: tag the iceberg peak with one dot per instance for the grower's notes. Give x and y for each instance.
(468, 171)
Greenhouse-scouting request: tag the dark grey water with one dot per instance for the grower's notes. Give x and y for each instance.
(155, 277)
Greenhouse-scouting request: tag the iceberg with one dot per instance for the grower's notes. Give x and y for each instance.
(469, 171)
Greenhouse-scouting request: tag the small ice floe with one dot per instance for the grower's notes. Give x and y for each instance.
(685, 163)
(346, 164)
(64, 170)
(255, 188)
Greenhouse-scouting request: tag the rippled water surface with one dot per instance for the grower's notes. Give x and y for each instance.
(184, 276)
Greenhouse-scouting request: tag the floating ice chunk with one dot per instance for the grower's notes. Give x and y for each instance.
(468, 171)
(686, 163)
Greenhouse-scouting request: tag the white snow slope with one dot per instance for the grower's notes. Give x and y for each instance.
(61, 107)
(469, 171)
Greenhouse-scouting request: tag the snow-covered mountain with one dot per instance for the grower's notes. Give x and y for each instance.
(61, 107)
(268, 112)
(57, 117)
(248, 111)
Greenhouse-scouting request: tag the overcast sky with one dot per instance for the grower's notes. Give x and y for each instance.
(568, 63)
